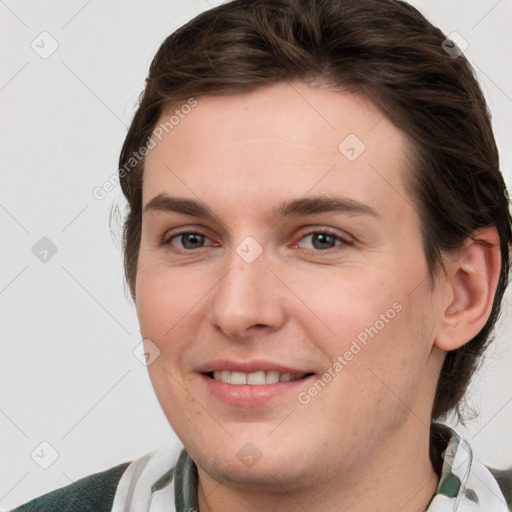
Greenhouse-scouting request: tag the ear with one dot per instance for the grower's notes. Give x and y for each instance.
(472, 275)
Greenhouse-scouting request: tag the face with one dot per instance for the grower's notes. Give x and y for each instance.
(283, 285)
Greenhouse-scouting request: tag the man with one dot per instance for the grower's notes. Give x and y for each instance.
(317, 246)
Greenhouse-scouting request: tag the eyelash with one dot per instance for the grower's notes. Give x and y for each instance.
(344, 241)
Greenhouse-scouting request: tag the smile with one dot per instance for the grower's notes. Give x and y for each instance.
(258, 378)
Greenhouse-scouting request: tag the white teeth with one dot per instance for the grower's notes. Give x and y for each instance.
(238, 378)
(256, 378)
(271, 377)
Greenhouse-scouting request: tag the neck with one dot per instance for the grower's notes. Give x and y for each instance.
(398, 476)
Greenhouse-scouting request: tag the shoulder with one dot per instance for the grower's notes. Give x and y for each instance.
(504, 479)
(93, 493)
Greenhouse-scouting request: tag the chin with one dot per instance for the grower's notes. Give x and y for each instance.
(261, 463)
(270, 473)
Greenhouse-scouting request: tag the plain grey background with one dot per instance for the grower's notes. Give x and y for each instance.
(70, 77)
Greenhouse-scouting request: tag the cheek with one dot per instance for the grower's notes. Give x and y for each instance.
(165, 299)
(348, 303)
(163, 309)
(153, 304)
(368, 316)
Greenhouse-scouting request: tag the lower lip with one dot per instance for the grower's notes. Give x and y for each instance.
(251, 395)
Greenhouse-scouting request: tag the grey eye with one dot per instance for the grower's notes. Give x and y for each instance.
(189, 240)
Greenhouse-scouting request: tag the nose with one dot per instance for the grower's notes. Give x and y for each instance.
(247, 299)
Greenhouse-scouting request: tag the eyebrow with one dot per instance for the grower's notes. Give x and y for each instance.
(290, 208)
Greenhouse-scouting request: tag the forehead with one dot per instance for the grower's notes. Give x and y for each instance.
(278, 141)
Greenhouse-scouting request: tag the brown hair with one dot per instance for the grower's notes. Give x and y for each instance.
(384, 49)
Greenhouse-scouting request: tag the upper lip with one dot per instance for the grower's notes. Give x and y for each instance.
(248, 366)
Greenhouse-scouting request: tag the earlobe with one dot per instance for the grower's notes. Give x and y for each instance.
(473, 274)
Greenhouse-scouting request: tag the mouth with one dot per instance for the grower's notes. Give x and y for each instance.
(258, 378)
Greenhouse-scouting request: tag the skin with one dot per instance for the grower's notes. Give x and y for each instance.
(362, 442)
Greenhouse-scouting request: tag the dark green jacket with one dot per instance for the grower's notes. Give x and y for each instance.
(94, 493)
